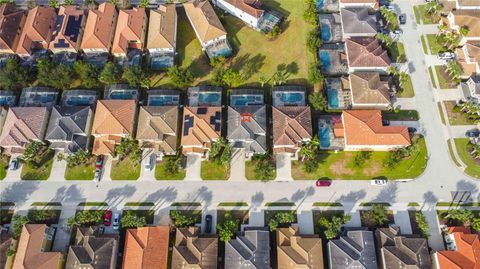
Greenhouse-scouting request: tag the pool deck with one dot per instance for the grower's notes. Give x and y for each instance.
(338, 59)
(333, 21)
(329, 6)
(344, 97)
(279, 91)
(335, 142)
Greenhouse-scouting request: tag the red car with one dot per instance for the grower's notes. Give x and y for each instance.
(99, 162)
(107, 218)
(323, 183)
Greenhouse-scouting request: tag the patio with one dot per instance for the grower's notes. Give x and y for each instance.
(7, 98)
(327, 5)
(246, 97)
(333, 59)
(121, 92)
(288, 96)
(326, 135)
(219, 49)
(79, 97)
(337, 97)
(330, 28)
(38, 96)
(163, 98)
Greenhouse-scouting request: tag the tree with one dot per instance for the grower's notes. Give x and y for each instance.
(377, 215)
(318, 101)
(57, 76)
(264, 169)
(232, 78)
(280, 77)
(110, 74)
(181, 220)
(315, 74)
(313, 41)
(464, 30)
(180, 77)
(68, 2)
(310, 149)
(361, 157)
(88, 74)
(422, 224)
(32, 150)
(333, 226)
(13, 76)
(279, 217)
(172, 165)
(129, 147)
(221, 152)
(385, 39)
(75, 159)
(136, 76)
(274, 32)
(132, 220)
(228, 228)
(86, 218)
(454, 70)
(263, 80)
(310, 13)
(17, 226)
(53, 3)
(143, 3)
(476, 224)
(462, 215)
(391, 18)
(433, 9)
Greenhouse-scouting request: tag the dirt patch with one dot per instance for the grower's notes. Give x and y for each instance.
(339, 167)
(373, 169)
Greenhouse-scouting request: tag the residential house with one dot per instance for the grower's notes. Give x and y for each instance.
(468, 57)
(157, 128)
(12, 21)
(208, 28)
(38, 96)
(298, 251)
(366, 54)
(354, 249)
(463, 250)
(162, 37)
(69, 128)
(92, 249)
(68, 31)
(470, 19)
(37, 32)
(193, 250)
(359, 3)
(146, 248)
(399, 251)
(358, 22)
(369, 90)
(249, 11)
(98, 34)
(130, 36)
(23, 125)
(247, 128)
(114, 120)
(251, 249)
(201, 127)
(6, 240)
(292, 127)
(471, 88)
(364, 130)
(33, 249)
(450, 5)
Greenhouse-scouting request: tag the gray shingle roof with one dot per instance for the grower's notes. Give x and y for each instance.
(354, 249)
(358, 21)
(251, 250)
(250, 135)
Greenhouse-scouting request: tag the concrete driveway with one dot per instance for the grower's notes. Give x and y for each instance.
(284, 167)
(194, 166)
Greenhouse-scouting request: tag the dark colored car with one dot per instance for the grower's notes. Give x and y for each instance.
(472, 133)
(99, 162)
(402, 18)
(323, 183)
(107, 218)
(412, 130)
(385, 122)
(208, 224)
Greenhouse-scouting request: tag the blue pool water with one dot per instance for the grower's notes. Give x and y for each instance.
(79, 101)
(320, 4)
(163, 100)
(325, 60)
(325, 32)
(332, 97)
(324, 136)
(245, 100)
(292, 97)
(158, 64)
(224, 52)
(7, 101)
(209, 98)
(122, 95)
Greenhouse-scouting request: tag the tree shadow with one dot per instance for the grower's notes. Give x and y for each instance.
(302, 194)
(352, 197)
(117, 195)
(257, 199)
(292, 68)
(19, 192)
(252, 65)
(201, 195)
(430, 200)
(387, 194)
(162, 197)
(65, 194)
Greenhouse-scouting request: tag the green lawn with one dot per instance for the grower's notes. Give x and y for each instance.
(401, 115)
(417, 14)
(4, 160)
(279, 204)
(84, 171)
(93, 204)
(440, 110)
(432, 43)
(407, 89)
(213, 171)
(31, 172)
(148, 214)
(161, 174)
(424, 44)
(432, 78)
(233, 204)
(340, 165)
(443, 79)
(425, 17)
(125, 169)
(250, 170)
(463, 149)
(450, 150)
(397, 52)
(326, 204)
(455, 117)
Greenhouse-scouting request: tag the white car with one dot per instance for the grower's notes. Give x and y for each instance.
(116, 221)
(149, 162)
(378, 182)
(446, 55)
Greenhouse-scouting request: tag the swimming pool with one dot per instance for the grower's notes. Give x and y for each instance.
(295, 98)
(332, 97)
(325, 60)
(246, 100)
(325, 32)
(7, 101)
(324, 134)
(209, 98)
(123, 95)
(320, 4)
(163, 100)
(80, 100)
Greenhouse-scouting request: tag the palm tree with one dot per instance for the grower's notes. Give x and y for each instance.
(263, 80)
(442, 27)
(309, 150)
(279, 78)
(464, 30)
(454, 70)
(433, 9)
(385, 39)
(390, 17)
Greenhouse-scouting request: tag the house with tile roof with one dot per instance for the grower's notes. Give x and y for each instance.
(298, 251)
(114, 120)
(129, 38)
(37, 31)
(162, 37)
(33, 249)
(12, 21)
(364, 130)
(68, 31)
(471, 88)
(292, 127)
(99, 32)
(358, 22)
(6, 240)
(250, 249)
(92, 249)
(247, 128)
(157, 128)
(366, 54)
(208, 28)
(146, 248)
(369, 90)
(22, 126)
(464, 18)
(464, 253)
(400, 251)
(359, 3)
(193, 250)
(460, 4)
(69, 128)
(249, 11)
(353, 249)
(468, 57)
(200, 128)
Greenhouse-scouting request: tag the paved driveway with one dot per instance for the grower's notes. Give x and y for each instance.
(194, 166)
(284, 167)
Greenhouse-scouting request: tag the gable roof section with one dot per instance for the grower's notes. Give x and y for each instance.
(129, 27)
(22, 125)
(193, 250)
(199, 125)
(114, 117)
(67, 29)
(29, 254)
(354, 249)
(291, 124)
(250, 128)
(473, 51)
(11, 23)
(248, 250)
(159, 123)
(38, 27)
(204, 20)
(251, 7)
(470, 19)
(364, 127)
(467, 255)
(162, 27)
(366, 52)
(146, 248)
(358, 21)
(295, 250)
(368, 88)
(100, 27)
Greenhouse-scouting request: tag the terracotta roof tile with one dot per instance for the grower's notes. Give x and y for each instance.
(11, 24)
(204, 20)
(68, 35)
(146, 248)
(291, 125)
(366, 52)
(100, 27)
(22, 125)
(114, 117)
(161, 27)
(467, 255)
(469, 18)
(38, 28)
(130, 27)
(369, 88)
(251, 7)
(193, 250)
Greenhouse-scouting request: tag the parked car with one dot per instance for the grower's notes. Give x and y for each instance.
(323, 183)
(99, 162)
(13, 164)
(390, 7)
(378, 182)
(149, 162)
(98, 174)
(472, 133)
(116, 221)
(208, 224)
(412, 130)
(447, 55)
(402, 18)
(398, 31)
(385, 122)
(107, 218)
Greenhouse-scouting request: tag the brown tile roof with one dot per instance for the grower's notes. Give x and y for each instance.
(6, 240)
(22, 125)
(68, 13)
(364, 127)
(37, 30)
(159, 124)
(130, 27)
(251, 7)
(11, 25)
(360, 2)
(193, 250)
(467, 255)
(369, 88)
(100, 27)
(291, 125)
(204, 20)
(29, 253)
(146, 248)
(161, 27)
(202, 132)
(366, 52)
(469, 3)
(469, 18)
(298, 251)
(472, 55)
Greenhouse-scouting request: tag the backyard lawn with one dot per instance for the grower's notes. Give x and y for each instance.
(212, 171)
(340, 165)
(161, 174)
(41, 172)
(401, 115)
(444, 80)
(125, 169)
(4, 160)
(84, 171)
(407, 89)
(463, 149)
(397, 52)
(455, 117)
(433, 44)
